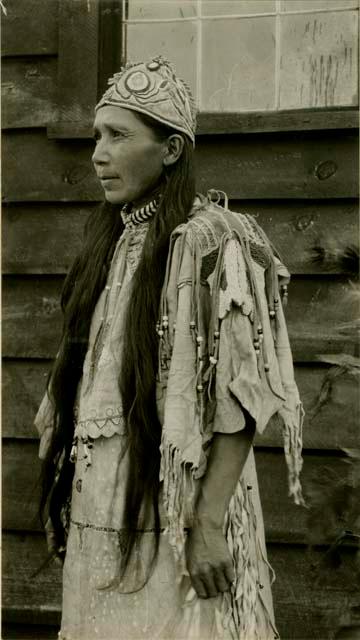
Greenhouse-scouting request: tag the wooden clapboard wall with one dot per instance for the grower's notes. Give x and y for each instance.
(296, 171)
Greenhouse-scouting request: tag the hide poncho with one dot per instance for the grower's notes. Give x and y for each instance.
(223, 347)
(223, 352)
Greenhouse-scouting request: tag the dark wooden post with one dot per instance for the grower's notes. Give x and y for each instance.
(110, 56)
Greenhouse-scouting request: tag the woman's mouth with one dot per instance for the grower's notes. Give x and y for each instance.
(107, 181)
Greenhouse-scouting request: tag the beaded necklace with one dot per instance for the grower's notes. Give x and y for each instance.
(142, 214)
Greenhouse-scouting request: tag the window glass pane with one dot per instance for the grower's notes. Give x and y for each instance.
(153, 9)
(175, 41)
(309, 5)
(238, 70)
(319, 60)
(236, 7)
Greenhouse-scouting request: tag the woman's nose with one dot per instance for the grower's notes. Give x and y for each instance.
(100, 155)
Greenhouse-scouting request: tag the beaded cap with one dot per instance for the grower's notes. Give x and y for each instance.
(153, 88)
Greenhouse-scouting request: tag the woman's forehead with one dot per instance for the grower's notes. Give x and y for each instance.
(116, 116)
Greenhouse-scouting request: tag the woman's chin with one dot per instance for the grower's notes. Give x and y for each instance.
(114, 197)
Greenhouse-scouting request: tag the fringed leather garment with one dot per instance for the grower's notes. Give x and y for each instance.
(224, 343)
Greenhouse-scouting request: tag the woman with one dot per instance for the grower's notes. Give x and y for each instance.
(174, 351)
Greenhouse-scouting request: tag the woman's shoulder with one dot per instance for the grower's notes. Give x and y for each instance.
(211, 218)
(211, 223)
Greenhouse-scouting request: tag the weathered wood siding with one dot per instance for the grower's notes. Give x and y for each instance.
(301, 182)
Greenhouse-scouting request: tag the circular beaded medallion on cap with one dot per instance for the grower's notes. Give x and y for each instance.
(137, 81)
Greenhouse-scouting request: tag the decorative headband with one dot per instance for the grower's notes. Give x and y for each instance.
(154, 89)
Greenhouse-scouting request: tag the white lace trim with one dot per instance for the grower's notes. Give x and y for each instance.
(96, 427)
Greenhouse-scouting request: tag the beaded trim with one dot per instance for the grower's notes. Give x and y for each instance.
(137, 216)
(122, 534)
(89, 525)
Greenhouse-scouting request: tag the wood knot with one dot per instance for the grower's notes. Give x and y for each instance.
(49, 306)
(32, 73)
(7, 87)
(304, 222)
(76, 174)
(325, 169)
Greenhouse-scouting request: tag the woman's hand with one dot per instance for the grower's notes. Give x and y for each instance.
(208, 561)
(207, 555)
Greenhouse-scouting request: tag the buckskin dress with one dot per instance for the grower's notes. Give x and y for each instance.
(215, 300)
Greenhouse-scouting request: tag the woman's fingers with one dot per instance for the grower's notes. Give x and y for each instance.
(210, 582)
(229, 572)
(221, 581)
(199, 587)
(209, 561)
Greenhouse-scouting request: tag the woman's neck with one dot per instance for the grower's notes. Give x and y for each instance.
(141, 210)
(145, 199)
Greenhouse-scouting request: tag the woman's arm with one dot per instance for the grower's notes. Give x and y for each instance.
(208, 559)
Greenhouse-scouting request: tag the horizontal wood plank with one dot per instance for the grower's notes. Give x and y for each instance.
(26, 599)
(318, 314)
(207, 123)
(212, 123)
(335, 426)
(284, 521)
(315, 313)
(24, 384)
(304, 608)
(283, 120)
(71, 130)
(321, 165)
(60, 171)
(295, 227)
(44, 238)
(312, 165)
(30, 28)
(307, 609)
(32, 318)
(28, 90)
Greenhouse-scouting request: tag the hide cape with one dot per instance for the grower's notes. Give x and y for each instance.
(221, 287)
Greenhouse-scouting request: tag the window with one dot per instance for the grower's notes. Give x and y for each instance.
(252, 55)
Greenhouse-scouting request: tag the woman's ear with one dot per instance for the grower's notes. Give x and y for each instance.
(173, 149)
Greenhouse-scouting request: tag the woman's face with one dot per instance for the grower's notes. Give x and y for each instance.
(128, 159)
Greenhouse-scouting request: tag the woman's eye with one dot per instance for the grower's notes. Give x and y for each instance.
(112, 134)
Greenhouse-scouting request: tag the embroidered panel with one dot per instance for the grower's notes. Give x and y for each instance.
(201, 229)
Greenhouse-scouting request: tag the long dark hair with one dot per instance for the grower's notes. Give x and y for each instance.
(137, 379)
